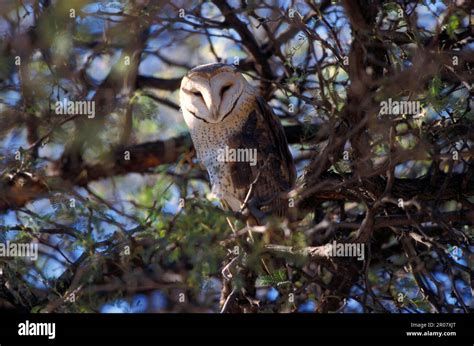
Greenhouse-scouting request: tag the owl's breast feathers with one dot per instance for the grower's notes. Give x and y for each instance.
(274, 173)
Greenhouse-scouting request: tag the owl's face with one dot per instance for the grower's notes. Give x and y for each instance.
(209, 93)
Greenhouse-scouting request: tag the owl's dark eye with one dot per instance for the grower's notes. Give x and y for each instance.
(197, 93)
(225, 88)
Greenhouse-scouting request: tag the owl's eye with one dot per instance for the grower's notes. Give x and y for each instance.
(225, 88)
(197, 93)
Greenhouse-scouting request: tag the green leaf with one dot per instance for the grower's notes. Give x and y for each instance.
(453, 24)
(276, 278)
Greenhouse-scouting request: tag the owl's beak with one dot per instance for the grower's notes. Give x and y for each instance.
(212, 105)
(214, 113)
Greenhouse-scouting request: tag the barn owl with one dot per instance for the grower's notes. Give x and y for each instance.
(239, 140)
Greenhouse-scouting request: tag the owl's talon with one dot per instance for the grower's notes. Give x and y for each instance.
(253, 209)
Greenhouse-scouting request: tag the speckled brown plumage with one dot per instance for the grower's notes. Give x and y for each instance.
(263, 131)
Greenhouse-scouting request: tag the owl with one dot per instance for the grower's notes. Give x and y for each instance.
(239, 140)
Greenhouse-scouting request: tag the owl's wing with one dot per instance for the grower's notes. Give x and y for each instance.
(274, 172)
(279, 138)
